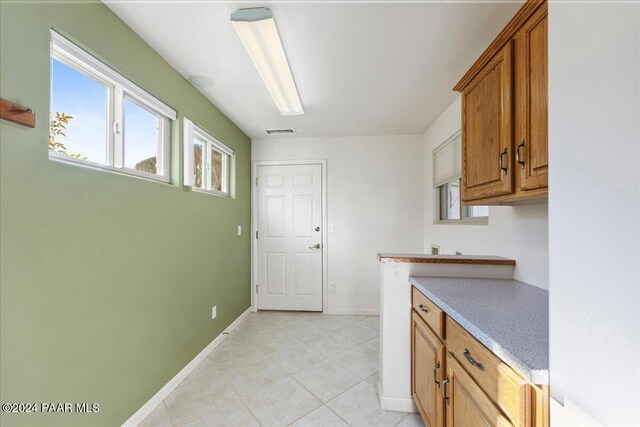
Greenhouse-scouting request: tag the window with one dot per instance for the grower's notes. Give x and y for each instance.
(101, 119)
(447, 183)
(206, 161)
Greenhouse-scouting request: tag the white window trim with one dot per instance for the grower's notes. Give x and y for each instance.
(482, 220)
(191, 131)
(66, 49)
(118, 87)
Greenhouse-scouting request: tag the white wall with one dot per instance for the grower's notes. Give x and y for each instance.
(594, 212)
(518, 232)
(374, 201)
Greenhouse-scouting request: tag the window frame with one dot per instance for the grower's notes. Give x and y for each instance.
(192, 132)
(464, 210)
(437, 190)
(118, 89)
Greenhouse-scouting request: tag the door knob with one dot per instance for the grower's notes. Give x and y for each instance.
(316, 246)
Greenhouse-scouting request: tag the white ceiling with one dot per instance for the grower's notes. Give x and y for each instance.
(360, 68)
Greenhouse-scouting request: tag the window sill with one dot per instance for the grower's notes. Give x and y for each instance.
(482, 221)
(211, 192)
(120, 171)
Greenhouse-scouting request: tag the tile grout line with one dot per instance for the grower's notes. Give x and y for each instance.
(325, 403)
(168, 413)
(289, 375)
(210, 412)
(250, 411)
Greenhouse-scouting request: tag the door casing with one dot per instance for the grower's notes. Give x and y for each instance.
(254, 225)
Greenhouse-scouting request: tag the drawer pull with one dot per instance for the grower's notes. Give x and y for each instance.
(423, 308)
(471, 360)
(435, 374)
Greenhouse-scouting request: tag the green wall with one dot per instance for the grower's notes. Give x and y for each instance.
(107, 281)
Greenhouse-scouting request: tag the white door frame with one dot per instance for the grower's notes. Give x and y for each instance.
(254, 225)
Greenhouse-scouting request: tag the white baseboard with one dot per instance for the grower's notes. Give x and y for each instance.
(356, 311)
(396, 403)
(157, 398)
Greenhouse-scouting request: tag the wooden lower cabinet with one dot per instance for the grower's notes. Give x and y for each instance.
(427, 372)
(458, 382)
(466, 404)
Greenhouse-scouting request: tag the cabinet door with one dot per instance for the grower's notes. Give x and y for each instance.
(427, 367)
(466, 403)
(532, 154)
(487, 121)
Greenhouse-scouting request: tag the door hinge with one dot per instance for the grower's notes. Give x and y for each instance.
(257, 288)
(256, 181)
(256, 234)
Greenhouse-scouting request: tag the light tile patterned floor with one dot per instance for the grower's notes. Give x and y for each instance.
(279, 369)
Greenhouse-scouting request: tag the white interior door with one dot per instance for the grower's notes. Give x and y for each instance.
(289, 244)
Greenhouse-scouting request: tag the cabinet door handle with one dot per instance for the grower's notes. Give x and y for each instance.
(444, 390)
(423, 308)
(474, 362)
(435, 374)
(521, 162)
(500, 162)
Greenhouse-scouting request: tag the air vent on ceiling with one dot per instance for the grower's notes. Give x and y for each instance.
(289, 131)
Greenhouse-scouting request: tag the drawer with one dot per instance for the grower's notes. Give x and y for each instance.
(503, 385)
(429, 312)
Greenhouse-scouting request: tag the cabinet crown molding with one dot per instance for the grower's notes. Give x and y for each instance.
(501, 39)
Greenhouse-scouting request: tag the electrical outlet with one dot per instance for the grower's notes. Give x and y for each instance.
(239, 230)
(332, 288)
(214, 312)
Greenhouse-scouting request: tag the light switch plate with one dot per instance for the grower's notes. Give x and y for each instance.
(239, 230)
(331, 228)
(214, 312)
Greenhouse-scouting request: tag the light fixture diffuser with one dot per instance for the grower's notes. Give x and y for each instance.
(200, 81)
(260, 37)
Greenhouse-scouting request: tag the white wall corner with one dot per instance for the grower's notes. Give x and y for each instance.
(397, 404)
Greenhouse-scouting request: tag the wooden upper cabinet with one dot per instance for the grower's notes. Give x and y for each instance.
(427, 372)
(532, 157)
(504, 114)
(466, 403)
(487, 129)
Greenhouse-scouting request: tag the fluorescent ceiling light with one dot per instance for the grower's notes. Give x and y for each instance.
(260, 37)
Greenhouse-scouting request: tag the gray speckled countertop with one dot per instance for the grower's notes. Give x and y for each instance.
(509, 317)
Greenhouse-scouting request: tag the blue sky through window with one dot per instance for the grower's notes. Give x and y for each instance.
(141, 135)
(77, 95)
(85, 99)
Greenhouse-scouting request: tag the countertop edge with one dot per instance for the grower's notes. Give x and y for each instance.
(534, 376)
(424, 259)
